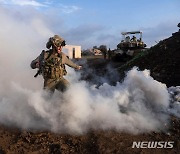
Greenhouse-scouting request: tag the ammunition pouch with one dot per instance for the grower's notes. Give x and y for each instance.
(51, 66)
(54, 72)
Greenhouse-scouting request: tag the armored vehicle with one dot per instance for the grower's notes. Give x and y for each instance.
(130, 44)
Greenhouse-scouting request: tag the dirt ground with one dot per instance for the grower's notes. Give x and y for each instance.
(14, 141)
(164, 62)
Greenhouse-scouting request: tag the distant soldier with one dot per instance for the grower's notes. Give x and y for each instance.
(139, 42)
(51, 65)
(109, 54)
(127, 39)
(103, 49)
(133, 39)
(105, 54)
(134, 42)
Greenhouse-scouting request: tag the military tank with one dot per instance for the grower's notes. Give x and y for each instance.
(130, 44)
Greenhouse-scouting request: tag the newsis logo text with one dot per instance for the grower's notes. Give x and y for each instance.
(153, 144)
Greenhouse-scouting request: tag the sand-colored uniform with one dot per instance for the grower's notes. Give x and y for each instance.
(53, 69)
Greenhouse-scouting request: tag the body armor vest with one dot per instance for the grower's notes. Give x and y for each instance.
(53, 67)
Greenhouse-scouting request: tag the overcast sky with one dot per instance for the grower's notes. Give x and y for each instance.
(88, 23)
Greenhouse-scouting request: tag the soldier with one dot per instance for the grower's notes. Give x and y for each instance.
(134, 42)
(51, 65)
(127, 39)
(109, 54)
(104, 53)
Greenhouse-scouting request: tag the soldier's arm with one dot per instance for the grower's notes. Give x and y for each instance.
(69, 62)
(35, 63)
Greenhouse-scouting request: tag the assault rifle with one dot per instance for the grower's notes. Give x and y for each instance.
(41, 63)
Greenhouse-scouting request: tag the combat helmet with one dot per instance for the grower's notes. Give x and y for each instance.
(56, 40)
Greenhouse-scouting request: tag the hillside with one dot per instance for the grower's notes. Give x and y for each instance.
(163, 60)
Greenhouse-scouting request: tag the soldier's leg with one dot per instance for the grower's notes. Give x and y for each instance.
(49, 86)
(62, 85)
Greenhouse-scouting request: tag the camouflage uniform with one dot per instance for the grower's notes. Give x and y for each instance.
(53, 69)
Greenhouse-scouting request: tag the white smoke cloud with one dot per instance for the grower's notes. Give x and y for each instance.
(175, 100)
(139, 104)
(20, 40)
(132, 106)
